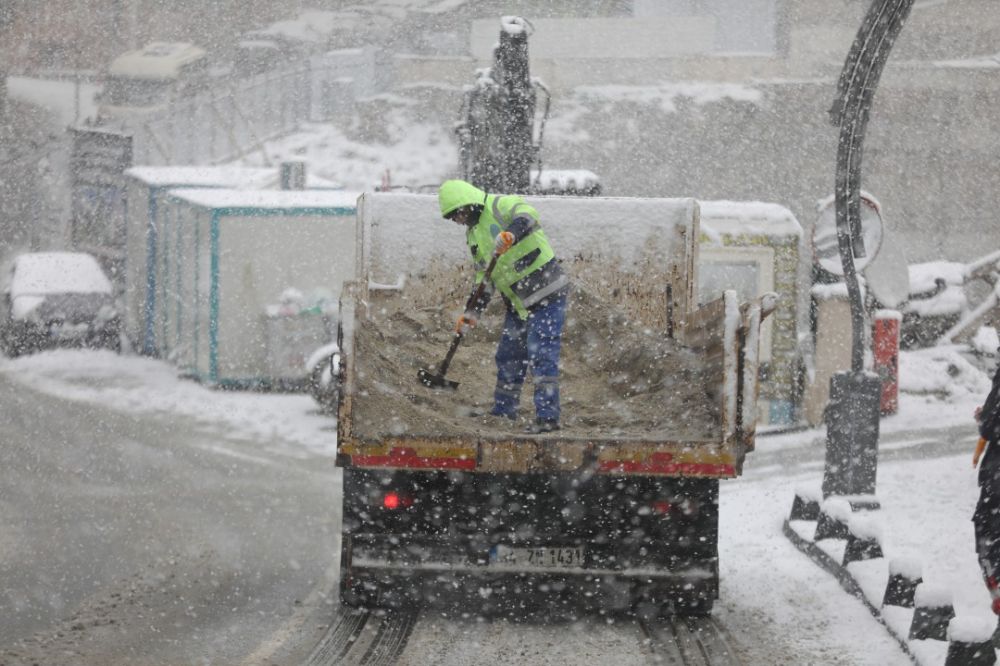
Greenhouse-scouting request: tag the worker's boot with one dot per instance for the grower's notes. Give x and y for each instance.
(503, 414)
(543, 425)
(491, 416)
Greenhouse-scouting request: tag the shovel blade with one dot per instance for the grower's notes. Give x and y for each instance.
(435, 381)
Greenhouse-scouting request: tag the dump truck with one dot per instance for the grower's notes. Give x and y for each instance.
(619, 508)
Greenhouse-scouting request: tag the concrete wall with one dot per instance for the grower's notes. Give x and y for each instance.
(597, 38)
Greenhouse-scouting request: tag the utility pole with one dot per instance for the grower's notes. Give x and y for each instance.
(852, 415)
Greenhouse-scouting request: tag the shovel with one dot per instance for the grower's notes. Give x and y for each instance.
(437, 380)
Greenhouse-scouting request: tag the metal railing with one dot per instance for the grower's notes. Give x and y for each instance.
(226, 123)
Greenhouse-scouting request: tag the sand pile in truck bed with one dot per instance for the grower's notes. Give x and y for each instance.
(617, 381)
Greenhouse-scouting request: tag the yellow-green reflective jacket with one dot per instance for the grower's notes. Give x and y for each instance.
(527, 273)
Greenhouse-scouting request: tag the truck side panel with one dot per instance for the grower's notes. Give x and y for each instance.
(636, 252)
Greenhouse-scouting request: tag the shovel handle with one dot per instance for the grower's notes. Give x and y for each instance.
(473, 298)
(481, 287)
(443, 368)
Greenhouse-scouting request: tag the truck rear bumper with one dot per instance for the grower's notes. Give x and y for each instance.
(371, 562)
(483, 591)
(372, 576)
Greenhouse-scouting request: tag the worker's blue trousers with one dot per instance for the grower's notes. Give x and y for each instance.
(533, 342)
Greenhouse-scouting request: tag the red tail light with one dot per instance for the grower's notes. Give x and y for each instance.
(393, 500)
(661, 508)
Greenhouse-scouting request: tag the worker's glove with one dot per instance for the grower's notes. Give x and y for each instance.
(466, 322)
(503, 242)
(980, 445)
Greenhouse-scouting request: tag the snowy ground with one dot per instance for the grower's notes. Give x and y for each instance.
(135, 384)
(927, 502)
(410, 152)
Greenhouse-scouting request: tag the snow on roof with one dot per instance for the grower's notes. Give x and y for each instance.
(204, 176)
(747, 217)
(234, 177)
(311, 25)
(38, 273)
(267, 199)
(157, 60)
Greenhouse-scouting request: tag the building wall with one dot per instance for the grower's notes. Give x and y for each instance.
(68, 34)
(757, 126)
(928, 156)
(260, 257)
(604, 38)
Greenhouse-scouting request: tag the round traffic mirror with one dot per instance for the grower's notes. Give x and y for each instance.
(826, 251)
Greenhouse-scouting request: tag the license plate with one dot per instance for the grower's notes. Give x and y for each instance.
(541, 557)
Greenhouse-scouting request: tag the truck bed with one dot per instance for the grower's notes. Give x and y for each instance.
(634, 400)
(617, 381)
(649, 384)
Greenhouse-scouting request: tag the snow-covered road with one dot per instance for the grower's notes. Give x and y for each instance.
(776, 605)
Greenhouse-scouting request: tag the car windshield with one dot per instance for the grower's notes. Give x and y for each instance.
(58, 273)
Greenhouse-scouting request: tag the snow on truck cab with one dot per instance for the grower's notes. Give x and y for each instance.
(618, 508)
(148, 78)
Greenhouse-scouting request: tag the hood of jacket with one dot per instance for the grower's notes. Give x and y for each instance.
(453, 194)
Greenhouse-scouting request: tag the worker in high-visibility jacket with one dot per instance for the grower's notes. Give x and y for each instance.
(986, 518)
(533, 286)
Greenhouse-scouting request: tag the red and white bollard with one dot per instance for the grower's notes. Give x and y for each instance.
(885, 343)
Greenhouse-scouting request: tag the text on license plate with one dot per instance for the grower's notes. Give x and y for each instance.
(537, 557)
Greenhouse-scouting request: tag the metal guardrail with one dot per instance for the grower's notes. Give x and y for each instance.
(228, 122)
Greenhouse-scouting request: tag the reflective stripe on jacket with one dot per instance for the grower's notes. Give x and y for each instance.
(528, 272)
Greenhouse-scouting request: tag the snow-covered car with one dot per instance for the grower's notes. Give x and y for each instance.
(55, 299)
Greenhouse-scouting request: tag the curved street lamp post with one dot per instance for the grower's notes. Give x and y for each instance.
(852, 415)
